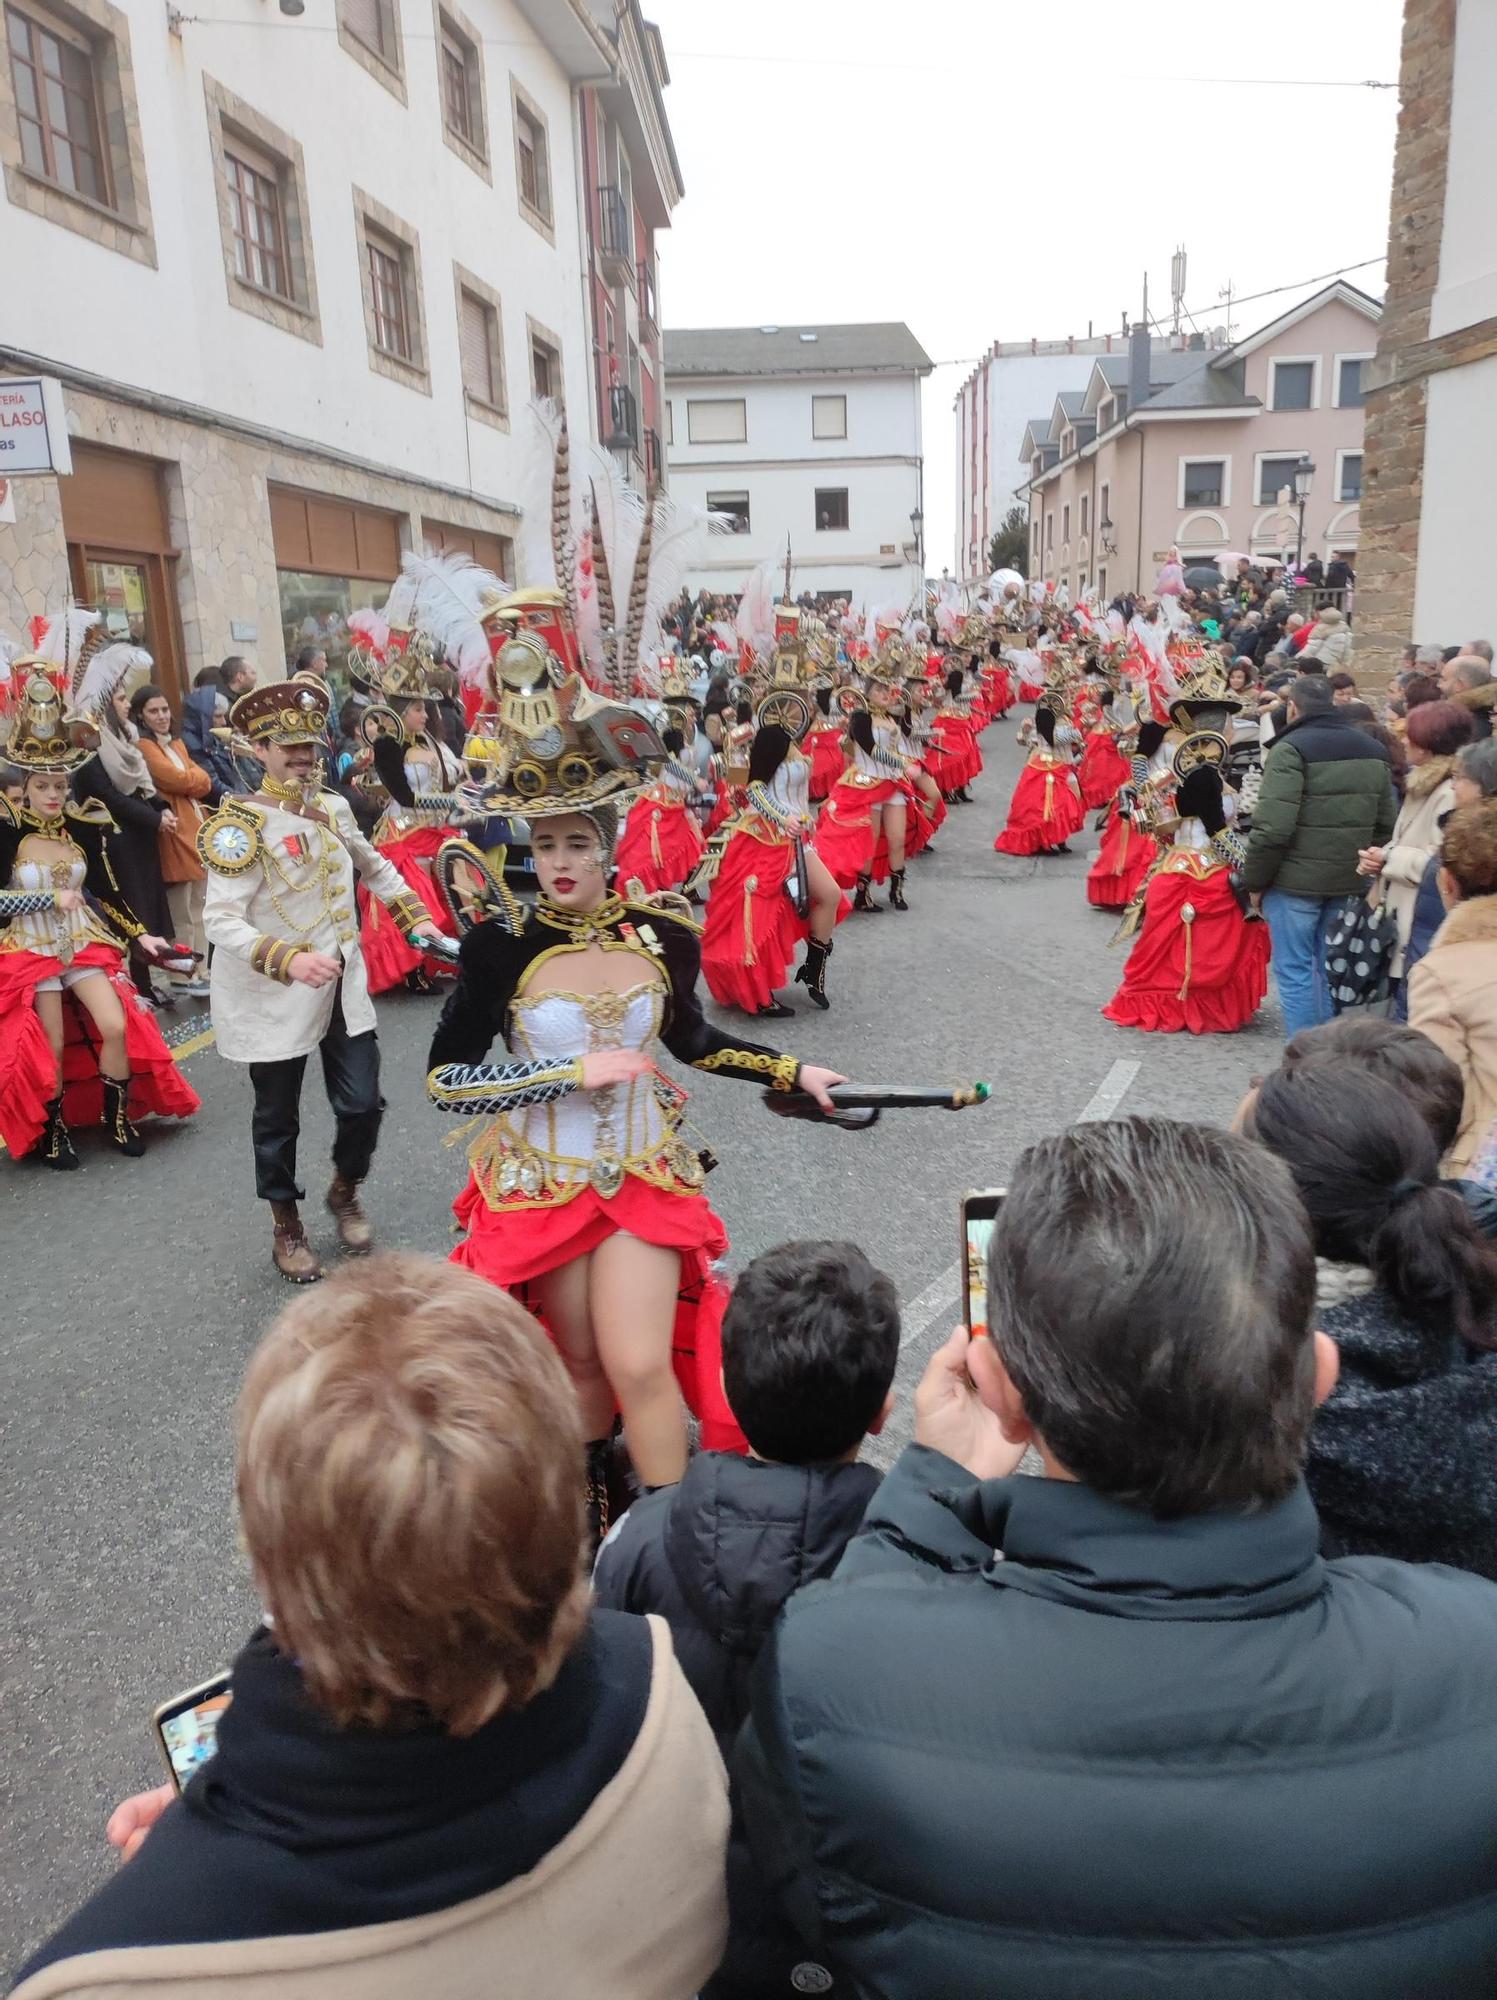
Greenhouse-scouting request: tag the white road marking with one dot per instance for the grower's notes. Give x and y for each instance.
(945, 1291)
(1109, 1094)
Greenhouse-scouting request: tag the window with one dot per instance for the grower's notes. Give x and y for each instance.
(57, 106)
(1274, 474)
(462, 86)
(372, 23)
(1065, 522)
(1106, 413)
(392, 328)
(1203, 482)
(735, 506)
(717, 422)
(1349, 394)
(259, 178)
(1104, 509)
(545, 367)
(532, 159)
(831, 507)
(259, 228)
(1086, 501)
(478, 340)
(1349, 475)
(1102, 583)
(829, 416)
(670, 423)
(1034, 534)
(1049, 531)
(1291, 385)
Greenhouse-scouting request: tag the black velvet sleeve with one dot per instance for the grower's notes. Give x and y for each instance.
(100, 881)
(491, 960)
(125, 808)
(10, 842)
(689, 1035)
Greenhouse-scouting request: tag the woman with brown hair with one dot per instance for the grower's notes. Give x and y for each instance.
(182, 783)
(438, 1757)
(1436, 730)
(1453, 988)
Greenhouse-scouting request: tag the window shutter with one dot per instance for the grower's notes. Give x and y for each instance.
(364, 19)
(477, 349)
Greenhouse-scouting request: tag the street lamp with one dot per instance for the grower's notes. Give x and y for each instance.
(1304, 479)
(917, 528)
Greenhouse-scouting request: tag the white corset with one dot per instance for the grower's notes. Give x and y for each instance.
(57, 933)
(626, 1121)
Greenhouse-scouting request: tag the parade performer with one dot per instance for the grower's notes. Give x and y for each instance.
(583, 1197)
(419, 815)
(770, 889)
(1046, 808)
(732, 766)
(1129, 848)
(1104, 770)
(954, 759)
(1200, 960)
(661, 846)
(287, 974)
(77, 1044)
(998, 682)
(851, 827)
(824, 743)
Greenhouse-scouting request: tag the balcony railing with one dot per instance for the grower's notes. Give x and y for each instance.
(614, 236)
(654, 463)
(648, 311)
(623, 419)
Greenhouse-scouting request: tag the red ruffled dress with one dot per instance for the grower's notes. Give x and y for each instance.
(844, 835)
(561, 1169)
(1125, 857)
(1046, 807)
(42, 945)
(1104, 768)
(410, 841)
(662, 840)
(953, 759)
(823, 745)
(1198, 964)
(999, 683)
(752, 929)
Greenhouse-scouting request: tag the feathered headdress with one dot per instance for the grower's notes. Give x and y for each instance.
(104, 673)
(63, 643)
(450, 597)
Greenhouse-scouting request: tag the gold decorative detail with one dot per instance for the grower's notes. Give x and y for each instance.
(231, 840)
(782, 1071)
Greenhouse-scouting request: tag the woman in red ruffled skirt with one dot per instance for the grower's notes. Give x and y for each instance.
(1046, 807)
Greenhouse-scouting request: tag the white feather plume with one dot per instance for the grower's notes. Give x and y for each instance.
(62, 640)
(399, 612)
(371, 629)
(588, 615)
(619, 518)
(679, 533)
(754, 622)
(450, 590)
(104, 673)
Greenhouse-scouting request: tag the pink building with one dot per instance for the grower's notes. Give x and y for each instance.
(1186, 448)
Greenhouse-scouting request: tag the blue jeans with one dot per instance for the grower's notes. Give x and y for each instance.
(1297, 925)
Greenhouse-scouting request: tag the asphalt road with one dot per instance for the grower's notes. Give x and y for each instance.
(135, 1290)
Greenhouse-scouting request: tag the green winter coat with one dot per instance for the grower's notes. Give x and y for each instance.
(1326, 794)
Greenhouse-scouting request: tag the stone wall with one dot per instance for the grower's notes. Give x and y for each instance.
(217, 485)
(1393, 465)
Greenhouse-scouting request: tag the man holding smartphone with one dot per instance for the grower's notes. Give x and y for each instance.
(1147, 1748)
(288, 972)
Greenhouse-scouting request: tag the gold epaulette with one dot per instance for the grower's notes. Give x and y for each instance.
(232, 839)
(665, 903)
(89, 812)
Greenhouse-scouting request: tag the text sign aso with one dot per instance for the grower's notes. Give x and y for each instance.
(33, 426)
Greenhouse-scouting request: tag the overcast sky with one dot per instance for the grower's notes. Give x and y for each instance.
(989, 170)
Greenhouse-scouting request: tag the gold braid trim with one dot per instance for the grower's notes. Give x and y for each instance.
(782, 1071)
(273, 957)
(125, 925)
(408, 910)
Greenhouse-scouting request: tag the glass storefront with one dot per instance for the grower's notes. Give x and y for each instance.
(314, 612)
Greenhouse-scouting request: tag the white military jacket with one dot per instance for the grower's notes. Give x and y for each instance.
(280, 882)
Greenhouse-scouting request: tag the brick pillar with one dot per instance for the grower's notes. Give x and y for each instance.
(1393, 466)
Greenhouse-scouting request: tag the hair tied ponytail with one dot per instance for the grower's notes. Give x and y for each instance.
(1406, 1190)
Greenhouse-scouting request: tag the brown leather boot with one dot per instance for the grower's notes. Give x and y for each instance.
(294, 1256)
(354, 1232)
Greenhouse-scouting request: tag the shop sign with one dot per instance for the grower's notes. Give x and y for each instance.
(33, 426)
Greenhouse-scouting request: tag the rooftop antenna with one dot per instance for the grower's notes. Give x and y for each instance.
(1226, 293)
(787, 570)
(1177, 284)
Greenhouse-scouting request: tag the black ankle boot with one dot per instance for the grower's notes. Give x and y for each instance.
(863, 897)
(896, 890)
(776, 1010)
(812, 975)
(55, 1146)
(122, 1134)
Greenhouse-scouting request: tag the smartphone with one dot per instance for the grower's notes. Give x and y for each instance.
(187, 1727)
(979, 1213)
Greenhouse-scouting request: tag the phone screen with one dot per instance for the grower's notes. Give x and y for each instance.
(979, 1213)
(187, 1727)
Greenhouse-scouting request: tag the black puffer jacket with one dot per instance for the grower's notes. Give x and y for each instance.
(718, 1556)
(1133, 1760)
(1403, 1455)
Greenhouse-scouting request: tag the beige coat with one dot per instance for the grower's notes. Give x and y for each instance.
(1453, 1000)
(298, 890)
(1428, 795)
(631, 1905)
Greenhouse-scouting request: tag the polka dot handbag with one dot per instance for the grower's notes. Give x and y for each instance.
(1360, 940)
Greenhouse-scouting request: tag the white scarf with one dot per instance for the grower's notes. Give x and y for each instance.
(124, 761)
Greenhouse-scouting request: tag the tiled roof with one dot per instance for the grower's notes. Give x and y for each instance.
(876, 347)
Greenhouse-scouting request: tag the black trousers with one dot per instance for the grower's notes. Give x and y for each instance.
(350, 1072)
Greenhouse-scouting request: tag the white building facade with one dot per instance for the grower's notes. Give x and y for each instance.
(810, 435)
(1015, 383)
(299, 279)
